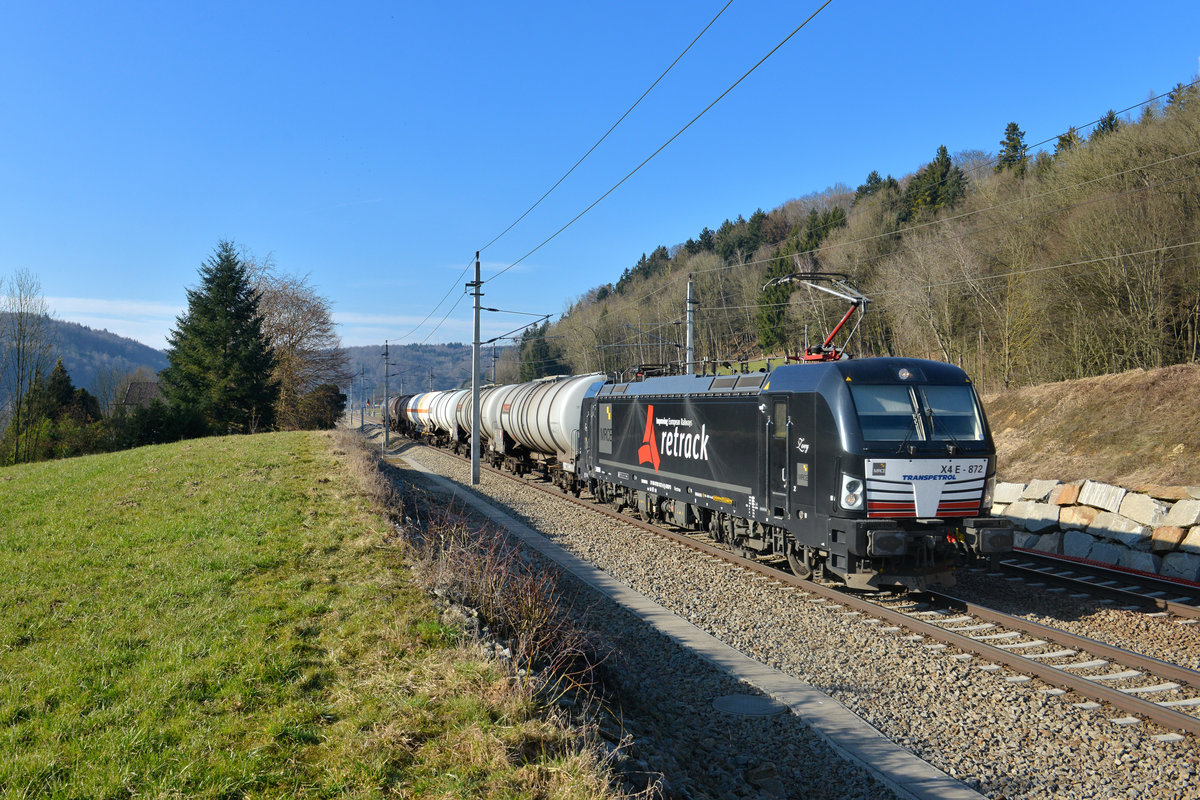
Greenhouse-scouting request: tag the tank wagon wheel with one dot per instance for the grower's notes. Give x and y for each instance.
(796, 562)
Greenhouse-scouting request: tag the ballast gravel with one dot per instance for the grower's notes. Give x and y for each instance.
(1000, 738)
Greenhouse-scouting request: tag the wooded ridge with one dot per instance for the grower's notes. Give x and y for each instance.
(1021, 267)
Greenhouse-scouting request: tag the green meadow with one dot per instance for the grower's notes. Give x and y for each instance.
(228, 617)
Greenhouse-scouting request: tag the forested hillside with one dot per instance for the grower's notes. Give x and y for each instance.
(1028, 266)
(417, 367)
(97, 360)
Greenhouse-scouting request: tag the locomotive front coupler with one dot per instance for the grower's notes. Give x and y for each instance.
(988, 536)
(893, 538)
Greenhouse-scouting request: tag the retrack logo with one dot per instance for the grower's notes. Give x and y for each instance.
(675, 442)
(648, 452)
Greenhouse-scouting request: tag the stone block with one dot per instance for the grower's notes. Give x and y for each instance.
(1144, 509)
(1077, 517)
(1048, 543)
(1033, 516)
(1067, 494)
(1106, 552)
(1185, 513)
(1077, 544)
(1160, 492)
(1120, 529)
(1166, 538)
(1140, 561)
(1008, 493)
(1191, 541)
(1101, 495)
(1024, 539)
(1038, 491)
(1180, 565)
(998, 509)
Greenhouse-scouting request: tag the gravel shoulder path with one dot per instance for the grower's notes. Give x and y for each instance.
(1003, 739)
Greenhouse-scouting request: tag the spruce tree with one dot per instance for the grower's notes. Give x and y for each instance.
(937, 185)
(1109, 123)
(1012, 150)
(220, 360)
(1067, 141)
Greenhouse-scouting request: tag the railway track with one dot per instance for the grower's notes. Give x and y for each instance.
(1169, 597)
(1136, 685)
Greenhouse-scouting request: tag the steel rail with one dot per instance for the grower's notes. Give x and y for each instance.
(1128, 658)
(1165, 716)
(1052, 562)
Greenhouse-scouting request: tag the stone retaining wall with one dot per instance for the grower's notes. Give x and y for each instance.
(1148, 528)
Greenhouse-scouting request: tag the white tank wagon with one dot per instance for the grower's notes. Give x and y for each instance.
(442, 411)
(543, 416)
(490, 411)
(417, 411)
(463, 411)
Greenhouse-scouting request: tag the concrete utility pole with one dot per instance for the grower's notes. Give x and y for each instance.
(691, 330)
(386, 432)
(476, 285)
(362, 397)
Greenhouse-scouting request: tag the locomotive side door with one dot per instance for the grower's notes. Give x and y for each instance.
(778, 485)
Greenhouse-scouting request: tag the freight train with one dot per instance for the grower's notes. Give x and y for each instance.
(877, 472)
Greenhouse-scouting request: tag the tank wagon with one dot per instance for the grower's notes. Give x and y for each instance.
(877, 472)
(397, 417)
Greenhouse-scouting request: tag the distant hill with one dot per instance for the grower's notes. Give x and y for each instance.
(94, 358)
(412, 365)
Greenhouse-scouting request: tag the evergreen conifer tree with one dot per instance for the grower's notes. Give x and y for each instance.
(1012, 150)
(220, 361)
(938, 185)
(59, 391)
(1067, 141)
(1109, 123)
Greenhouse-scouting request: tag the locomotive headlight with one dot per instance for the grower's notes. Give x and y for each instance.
(852, 493)
(989, 494)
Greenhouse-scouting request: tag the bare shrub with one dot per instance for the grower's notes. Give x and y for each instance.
(482, 567)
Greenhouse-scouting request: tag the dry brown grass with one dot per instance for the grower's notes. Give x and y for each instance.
(1132, 428)
(541, 751)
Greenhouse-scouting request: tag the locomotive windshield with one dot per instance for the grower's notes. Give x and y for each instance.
(918, 413)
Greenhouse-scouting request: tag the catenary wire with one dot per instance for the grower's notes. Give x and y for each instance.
(628, 111)
(679, 133)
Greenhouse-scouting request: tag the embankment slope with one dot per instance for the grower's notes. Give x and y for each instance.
(1131, 429)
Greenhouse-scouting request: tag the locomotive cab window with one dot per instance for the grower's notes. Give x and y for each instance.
(779, 420)
(917, 413)
(952, 413)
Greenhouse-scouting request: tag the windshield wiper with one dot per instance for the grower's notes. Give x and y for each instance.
(953, 447)
(912, 428)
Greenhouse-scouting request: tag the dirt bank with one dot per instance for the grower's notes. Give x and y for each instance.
(1133, 428)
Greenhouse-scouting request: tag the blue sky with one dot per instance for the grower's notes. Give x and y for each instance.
(376, 146)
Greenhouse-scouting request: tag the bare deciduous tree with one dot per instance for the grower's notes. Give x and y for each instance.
(25, 349)
(299, 325)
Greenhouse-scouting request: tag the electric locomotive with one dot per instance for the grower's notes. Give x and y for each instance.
(878, 472)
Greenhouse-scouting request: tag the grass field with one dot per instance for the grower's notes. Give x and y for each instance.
(226, 618)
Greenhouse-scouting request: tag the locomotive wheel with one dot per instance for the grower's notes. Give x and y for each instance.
(740, 551)
(799, 568)
(719, 528)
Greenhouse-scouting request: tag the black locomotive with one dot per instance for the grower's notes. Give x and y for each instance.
(878, 472)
